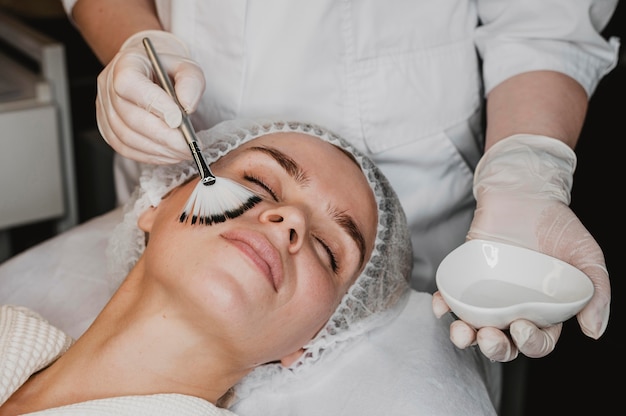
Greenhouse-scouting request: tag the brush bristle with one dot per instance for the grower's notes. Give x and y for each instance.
(212, 204)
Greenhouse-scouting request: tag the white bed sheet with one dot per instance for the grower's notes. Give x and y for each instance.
(407, 368)
(65, 277)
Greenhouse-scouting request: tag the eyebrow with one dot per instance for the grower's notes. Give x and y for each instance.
(345, 221)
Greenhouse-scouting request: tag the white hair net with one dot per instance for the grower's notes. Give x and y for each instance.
(375, 297)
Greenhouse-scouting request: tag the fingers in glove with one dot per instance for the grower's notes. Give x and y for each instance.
(189, 84)
(440, 307)
(165, 141)
(134, 145)
(534, 342)
(133, 83)
(115, 114)
(496, 345)
(594, 317)
(462, 335)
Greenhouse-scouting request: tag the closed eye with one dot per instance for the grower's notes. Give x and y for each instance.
(332, 258)
(259, 182)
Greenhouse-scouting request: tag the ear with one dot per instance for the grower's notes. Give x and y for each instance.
(291, 358)
(146, 219)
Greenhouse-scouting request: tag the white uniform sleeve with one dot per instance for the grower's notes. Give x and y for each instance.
(559, 35)
(68, 5)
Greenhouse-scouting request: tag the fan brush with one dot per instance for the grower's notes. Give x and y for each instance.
(214, 199)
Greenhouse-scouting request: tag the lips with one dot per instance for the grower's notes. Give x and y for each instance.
(260, 251)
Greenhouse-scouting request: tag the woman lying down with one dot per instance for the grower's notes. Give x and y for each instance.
(322, 258)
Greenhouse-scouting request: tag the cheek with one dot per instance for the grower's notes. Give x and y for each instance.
(316, 298)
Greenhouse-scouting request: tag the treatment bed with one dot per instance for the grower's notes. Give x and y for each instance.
(408, 367)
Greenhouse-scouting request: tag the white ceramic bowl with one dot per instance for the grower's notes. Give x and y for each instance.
(492, 284)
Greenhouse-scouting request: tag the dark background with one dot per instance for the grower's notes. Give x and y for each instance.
(581, 376)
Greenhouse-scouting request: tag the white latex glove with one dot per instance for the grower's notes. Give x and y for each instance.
(522, 188)
(135, 116)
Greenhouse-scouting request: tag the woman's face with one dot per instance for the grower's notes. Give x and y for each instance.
(268, 280)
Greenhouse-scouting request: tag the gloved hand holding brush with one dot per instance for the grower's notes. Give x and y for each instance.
(126, 88)
(532, 212)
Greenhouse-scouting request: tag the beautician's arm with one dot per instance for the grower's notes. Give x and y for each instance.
(547, 103)
(135, 116)
(522, 189)
(105, 25)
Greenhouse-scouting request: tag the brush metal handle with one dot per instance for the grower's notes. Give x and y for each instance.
(207, 177)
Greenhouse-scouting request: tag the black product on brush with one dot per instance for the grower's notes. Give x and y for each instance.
(215, 199)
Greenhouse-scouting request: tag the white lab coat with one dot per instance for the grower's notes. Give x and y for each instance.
(401, 79)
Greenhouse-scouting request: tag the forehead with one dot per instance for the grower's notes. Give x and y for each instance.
(294, 141)
(307, 149)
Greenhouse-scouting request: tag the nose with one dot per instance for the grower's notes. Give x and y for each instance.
(291, 221)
